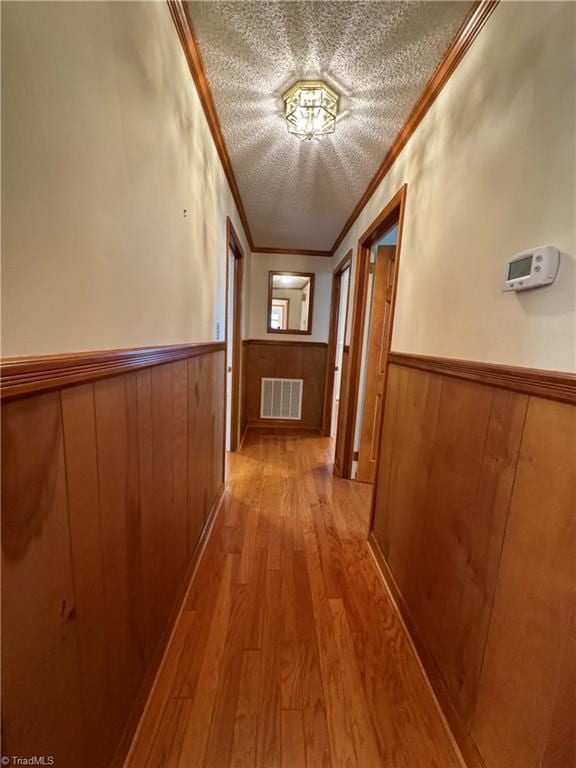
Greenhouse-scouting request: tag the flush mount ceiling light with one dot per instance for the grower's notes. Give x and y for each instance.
(310, 108)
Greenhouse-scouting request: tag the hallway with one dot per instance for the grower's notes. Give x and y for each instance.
(339, 235)
(289, 651)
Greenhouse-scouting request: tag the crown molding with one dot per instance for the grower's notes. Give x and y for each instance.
(185, 30)
(465, 36)
(292, 251)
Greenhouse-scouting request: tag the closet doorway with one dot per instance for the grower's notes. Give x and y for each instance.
(365, 365)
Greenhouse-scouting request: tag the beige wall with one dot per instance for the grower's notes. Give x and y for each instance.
(295, 305)
(262, 263)
(104, 145)
(491, 171)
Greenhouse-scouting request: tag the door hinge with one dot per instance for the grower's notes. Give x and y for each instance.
(355, 456)
(372, 268)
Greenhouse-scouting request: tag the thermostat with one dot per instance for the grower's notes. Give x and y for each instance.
(532, 269)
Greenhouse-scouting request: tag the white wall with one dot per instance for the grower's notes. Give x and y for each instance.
(262, 264)
(491, 171)
(104, 144)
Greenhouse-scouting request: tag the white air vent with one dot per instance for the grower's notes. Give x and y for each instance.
(281, 399)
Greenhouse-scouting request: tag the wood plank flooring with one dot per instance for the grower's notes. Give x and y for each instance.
(289, 652)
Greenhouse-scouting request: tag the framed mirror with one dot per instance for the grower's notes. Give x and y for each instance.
(290, 301)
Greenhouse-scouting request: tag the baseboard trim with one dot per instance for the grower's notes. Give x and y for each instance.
(279, 424)
(243, 437)
(463, 743)
(285, 343)
(148, 687)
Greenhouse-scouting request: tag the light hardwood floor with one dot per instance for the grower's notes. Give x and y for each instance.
(289, 652)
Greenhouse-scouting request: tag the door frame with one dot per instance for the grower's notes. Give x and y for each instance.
(234, 248)
(333, 340)
(392, 214)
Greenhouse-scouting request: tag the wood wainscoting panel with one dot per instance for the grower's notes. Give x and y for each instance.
(342, 412)
(116, 409)
(527, 701)
(473, 515)
(107, 489)
(41, 698)
(290, 360)
(206, 471)
(243, 390)
(79, 422)
(446, 468)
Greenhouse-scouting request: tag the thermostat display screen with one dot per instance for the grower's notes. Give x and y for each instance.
(520, 268)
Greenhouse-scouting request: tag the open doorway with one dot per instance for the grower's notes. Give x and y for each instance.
(372, 366)
(340, 345)
(234, 280)
(337, 348)
(363, 390)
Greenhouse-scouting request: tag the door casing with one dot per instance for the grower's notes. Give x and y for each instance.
(392, 214)
(233, 248)
(343, 265)
(376, 361)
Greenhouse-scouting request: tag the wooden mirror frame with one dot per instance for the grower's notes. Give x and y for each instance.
(271, 275)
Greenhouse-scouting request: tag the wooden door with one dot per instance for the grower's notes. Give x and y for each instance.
(342, 410)
(378, 345)
(235, 436)
(233, 374)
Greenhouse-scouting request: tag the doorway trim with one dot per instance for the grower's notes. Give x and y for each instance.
(234, 247)
(392, 214)
(333, 339)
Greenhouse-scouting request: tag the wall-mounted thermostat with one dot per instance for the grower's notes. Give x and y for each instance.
(532, 269)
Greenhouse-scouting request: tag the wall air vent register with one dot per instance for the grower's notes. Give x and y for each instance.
(281, 399)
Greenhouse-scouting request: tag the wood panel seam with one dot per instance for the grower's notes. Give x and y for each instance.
(83, 703)
(498, 567)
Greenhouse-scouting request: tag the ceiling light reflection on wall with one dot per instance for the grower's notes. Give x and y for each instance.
(310, 109)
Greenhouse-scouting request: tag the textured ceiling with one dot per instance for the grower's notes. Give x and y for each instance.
(377, 55)
(290, 281)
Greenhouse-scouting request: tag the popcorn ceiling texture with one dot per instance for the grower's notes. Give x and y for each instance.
(377, 55)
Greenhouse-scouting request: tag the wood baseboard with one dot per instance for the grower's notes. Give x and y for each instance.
(243, 437)
(279, 424)
(146, 692)
(462, 740)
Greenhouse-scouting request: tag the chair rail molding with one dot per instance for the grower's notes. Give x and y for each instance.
(553, 385)
(32, 374)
